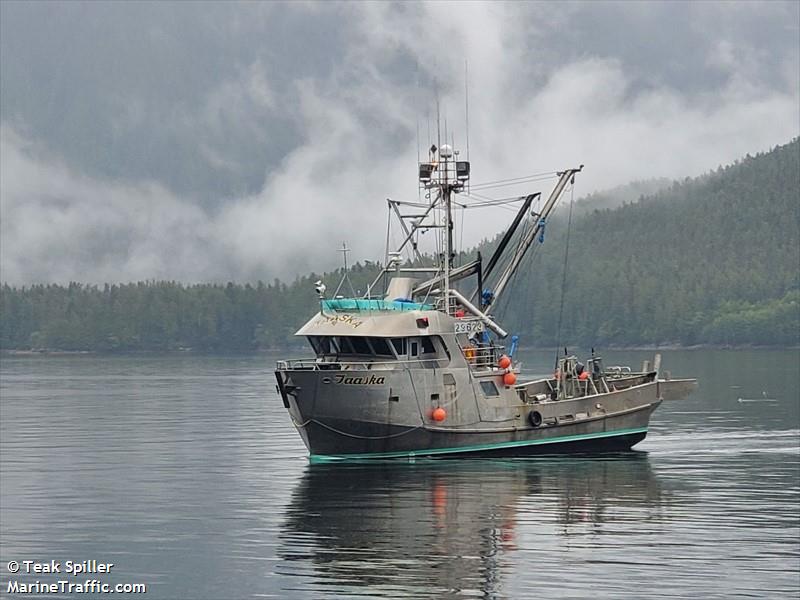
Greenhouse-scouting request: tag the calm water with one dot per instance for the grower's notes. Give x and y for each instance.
(185, 473)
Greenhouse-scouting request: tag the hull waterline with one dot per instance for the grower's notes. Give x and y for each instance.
(338, 424)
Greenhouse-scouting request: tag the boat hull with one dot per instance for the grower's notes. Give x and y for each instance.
(348, 426)
(325, 447)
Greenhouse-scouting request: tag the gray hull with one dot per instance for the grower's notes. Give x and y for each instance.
(392, 420)
(326, 444)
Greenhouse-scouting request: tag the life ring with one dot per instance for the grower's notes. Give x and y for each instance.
(535, 418)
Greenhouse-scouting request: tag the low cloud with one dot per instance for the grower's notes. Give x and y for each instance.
(354, 141)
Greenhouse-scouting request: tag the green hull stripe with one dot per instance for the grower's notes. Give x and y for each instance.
(478, 447)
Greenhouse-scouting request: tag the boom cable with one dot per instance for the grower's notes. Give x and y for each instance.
(564, 273)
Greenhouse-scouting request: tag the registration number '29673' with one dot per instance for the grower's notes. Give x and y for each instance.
(469, 326)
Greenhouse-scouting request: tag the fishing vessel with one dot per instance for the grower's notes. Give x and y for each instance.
(416, 366)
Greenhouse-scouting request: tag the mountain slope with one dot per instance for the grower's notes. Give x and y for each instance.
(714, 259)
(674, 266)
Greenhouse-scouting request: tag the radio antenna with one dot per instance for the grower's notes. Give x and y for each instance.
(438, 116)
(416, 101)
(466, 101)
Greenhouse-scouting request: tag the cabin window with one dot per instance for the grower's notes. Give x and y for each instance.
(399, 346)
(345, 347)
(423, 347)
(360, 345)
(489, 389)
(328, 345)
(380, 346)
(321, 345)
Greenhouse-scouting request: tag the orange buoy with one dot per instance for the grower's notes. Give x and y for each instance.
(584, 375)
(509, 378)
(469, 353)
(504, 362)
(439, 414)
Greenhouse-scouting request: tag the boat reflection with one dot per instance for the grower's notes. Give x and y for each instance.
(441, 528)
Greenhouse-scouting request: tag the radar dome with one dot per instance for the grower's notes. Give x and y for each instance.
(446, 151)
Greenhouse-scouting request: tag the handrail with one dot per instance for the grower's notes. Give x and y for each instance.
(313, 364)
(482, 356)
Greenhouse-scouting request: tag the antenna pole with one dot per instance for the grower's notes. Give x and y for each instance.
(466, 101)
(448, 262)
(344, 252)
(438, 120)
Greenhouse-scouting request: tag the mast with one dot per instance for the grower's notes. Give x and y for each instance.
(441, 176)
(446, 152)
(445, 174)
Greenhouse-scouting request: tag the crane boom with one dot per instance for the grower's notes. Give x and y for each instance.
(527, 240)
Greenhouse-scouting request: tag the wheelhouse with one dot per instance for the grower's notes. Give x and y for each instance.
(354, 348)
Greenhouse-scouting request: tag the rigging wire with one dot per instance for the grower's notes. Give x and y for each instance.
(564, 273)
(514, 181)
(484, 202)
(480, 201)
(461, 240)
(409, 203)
(544, 174)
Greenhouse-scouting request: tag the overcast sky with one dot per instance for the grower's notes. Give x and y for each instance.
(213, 142)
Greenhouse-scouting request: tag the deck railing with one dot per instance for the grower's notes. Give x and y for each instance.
(482, 357)
(314, 364)
(478, 357)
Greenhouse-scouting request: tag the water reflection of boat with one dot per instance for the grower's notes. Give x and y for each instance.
(434, 529)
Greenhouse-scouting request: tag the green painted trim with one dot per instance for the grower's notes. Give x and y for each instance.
(477, 447)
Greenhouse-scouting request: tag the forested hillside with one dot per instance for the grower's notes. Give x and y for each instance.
(160, 315)
(713, 260)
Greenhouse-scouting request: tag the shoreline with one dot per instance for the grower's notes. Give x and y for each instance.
(13, 352)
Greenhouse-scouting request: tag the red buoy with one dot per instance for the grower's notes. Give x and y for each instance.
(439, 414)
(504, 362)
(509, 378)
(584, 375)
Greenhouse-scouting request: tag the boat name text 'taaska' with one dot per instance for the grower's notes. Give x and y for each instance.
(348, 380)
